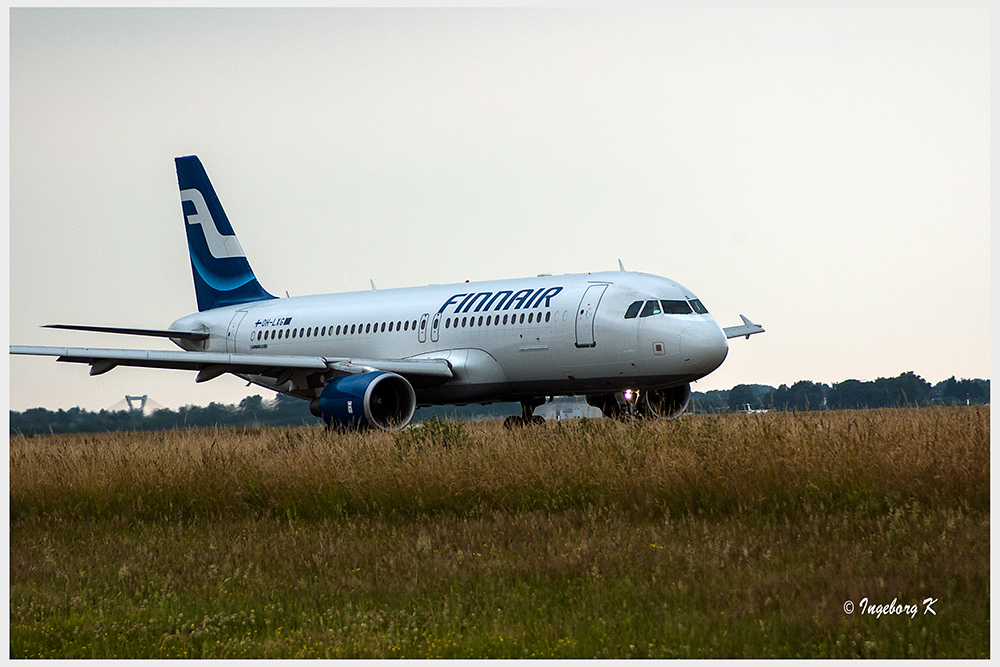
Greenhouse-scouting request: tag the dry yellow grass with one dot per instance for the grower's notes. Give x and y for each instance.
(709, 536)
(696, 463)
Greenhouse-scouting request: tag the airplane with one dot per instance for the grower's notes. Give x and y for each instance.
(630, 343)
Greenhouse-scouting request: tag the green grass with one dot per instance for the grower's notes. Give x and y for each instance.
(734, 536)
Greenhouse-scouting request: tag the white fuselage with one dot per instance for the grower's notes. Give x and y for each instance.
(505, 340)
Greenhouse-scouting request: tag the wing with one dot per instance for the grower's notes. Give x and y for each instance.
(213, 364)
(747, 329)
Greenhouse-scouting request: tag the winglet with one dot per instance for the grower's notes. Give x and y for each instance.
(747, 329)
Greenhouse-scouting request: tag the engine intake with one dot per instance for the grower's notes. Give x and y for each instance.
(666, 403)
(379, 399)
(648, 404)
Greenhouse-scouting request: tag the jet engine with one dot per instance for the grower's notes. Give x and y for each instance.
(666, 403)
(648, 404)
(378, 399)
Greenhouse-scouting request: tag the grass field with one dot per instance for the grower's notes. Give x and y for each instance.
(708, 536)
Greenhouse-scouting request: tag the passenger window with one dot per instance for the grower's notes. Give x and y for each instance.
(676, 307)
(651, 308)
(633, 310)
(698, 308)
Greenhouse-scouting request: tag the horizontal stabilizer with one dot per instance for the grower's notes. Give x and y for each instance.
(162, 333)
(747, 329)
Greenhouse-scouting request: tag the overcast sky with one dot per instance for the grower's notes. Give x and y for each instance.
(824, 171)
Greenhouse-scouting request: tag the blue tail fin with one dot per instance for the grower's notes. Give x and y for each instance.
(222, 274)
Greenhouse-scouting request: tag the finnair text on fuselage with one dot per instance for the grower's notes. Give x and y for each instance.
(502, 300)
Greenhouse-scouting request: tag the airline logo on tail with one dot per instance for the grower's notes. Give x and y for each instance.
(221, 247)
(222, 275)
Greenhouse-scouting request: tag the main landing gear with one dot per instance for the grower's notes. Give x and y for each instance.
(527, 415)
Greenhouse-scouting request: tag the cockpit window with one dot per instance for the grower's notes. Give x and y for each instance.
(676, 307)
(664, 306)
(651, 308)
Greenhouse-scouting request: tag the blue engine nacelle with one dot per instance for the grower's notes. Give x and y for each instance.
(378, 399)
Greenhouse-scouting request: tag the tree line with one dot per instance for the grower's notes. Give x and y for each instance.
(905, 390)
(251, 411)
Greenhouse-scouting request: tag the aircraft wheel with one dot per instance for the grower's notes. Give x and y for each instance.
(514, 421)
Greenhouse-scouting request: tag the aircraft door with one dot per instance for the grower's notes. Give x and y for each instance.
(234, 325)
(435, 327)
(422, 330)
(585, 315)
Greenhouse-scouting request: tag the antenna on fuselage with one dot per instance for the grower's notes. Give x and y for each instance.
(621, 267)
(373, 284)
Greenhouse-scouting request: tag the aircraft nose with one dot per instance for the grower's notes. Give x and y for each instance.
(703, 347)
